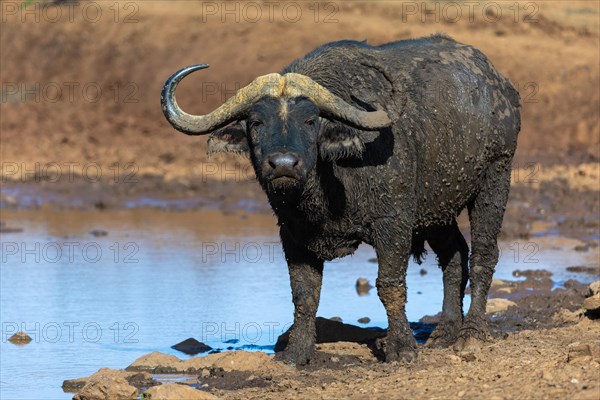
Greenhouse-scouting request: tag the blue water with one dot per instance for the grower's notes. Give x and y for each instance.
(157, 278)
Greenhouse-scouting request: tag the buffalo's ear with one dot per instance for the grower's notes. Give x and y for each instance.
(229, 139)
(338, 141)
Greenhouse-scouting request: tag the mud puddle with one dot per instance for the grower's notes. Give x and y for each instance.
(99, 289)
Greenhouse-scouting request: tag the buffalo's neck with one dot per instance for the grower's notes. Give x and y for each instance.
(318, 218)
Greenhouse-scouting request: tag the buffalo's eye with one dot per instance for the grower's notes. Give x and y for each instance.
(310, 122)
(255, 124)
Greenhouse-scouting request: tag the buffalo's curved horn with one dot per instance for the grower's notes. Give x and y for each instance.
(333, 106)
(267, 85)
(271, 85)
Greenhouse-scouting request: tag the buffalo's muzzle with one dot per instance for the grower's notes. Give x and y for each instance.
(283, 165)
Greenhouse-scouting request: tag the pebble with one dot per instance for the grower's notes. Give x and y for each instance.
(20, 338)
(363, 286)
(592, 305)
(497, 305)
(593, 289)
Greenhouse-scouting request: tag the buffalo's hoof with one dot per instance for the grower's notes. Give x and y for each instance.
(406, 356)
(444, 335)
(398, 351)
(294, 357)
(472, 338)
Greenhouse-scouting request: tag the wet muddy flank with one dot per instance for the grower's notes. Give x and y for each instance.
(99, 289)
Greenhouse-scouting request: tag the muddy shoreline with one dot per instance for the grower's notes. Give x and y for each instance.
(542, 340)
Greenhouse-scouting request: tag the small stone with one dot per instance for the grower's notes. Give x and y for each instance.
(498, 283)
(469, 357)
(582, 269)
(505, 290)
(192, 347)
(363, 286)
(532, 273)
(107, 388)
(364, 320)
(423, 272)
(337, 319)
(593, 289)
(454, 359)
(20, 338)
(498, 305)
(579, 351)
(591, 305)
(547, 376)
(335, 359)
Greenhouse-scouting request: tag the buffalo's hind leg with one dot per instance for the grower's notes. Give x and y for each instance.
(306, 273)
(452, 251)
(486, 212)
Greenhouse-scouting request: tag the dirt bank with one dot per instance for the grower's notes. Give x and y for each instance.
(81, 126)
(79, 90)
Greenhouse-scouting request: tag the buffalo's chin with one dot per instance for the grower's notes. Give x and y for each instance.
(284, 185)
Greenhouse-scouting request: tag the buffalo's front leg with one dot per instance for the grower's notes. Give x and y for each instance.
(306, 272)
(393, 250)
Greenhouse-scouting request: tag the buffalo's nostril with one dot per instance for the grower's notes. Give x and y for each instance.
(283, 160)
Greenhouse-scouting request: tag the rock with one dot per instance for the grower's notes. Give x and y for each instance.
(364, 320)
(98, 233)
(454, 359)
(423, 271)
(192, 347)
(532, 273)
(469, 356)
(137, 379)
(505, 290)
(347, 349)
(363, 286)
(564, 315)
(229, 361)
(173, 391)
(582, 352)
(591, 305)
(329, 331)
(240, 360)
(497, 305)
(6, 229)
(156, 362)
(336, 319)
(107, 388)
(582, 269)
(20, 338)
(431, 319)
(593, 289)
(498, 283)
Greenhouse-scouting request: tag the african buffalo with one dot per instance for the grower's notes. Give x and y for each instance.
(384, 145)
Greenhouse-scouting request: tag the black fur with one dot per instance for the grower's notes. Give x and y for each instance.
(454, 133)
